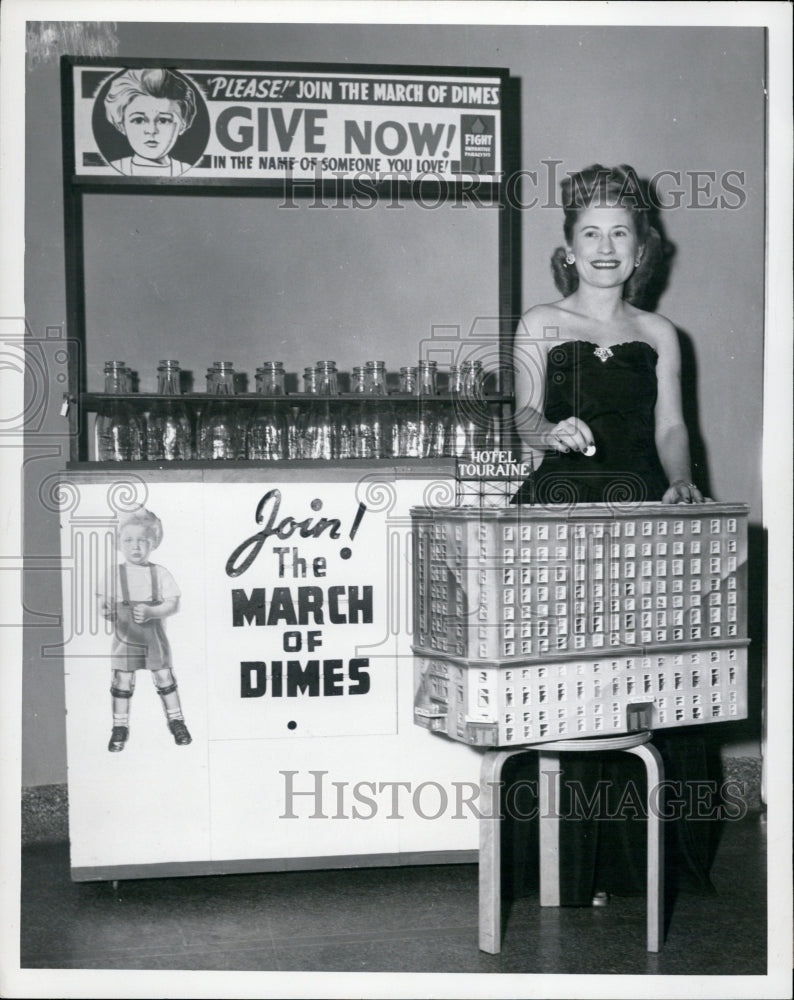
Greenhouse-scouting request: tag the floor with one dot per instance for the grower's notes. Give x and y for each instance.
(382, 920)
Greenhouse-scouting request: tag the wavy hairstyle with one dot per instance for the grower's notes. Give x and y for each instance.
(148, 83)
(145, 519)
(615, 187)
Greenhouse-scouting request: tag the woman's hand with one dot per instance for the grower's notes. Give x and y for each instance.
(682, 492)
(572, 434)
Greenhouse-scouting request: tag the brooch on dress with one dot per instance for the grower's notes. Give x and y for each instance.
(603, 353)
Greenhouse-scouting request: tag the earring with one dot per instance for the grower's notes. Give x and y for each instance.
(569, 258)
(638, 260)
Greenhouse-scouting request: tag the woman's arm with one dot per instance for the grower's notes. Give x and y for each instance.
(530, 358)
(672, 439)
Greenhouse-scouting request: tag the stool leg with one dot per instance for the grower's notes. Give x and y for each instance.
(549, 827)
(490, 874)
(654, 769)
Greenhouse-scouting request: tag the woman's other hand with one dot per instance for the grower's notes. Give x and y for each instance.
(682, 492)
(572, 434)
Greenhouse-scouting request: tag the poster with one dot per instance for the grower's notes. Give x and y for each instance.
(242, 122)
(272, 620)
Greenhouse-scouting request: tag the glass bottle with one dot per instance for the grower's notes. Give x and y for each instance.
(381, 412)
(222, 435)
(266, 434)
(320, 430)
(358, 415)
(408, 379)
(117, 429)
(327, 378)
(126, 378)
(476, 406)
(200, 413)
(466, 423)
(458, 432)
(332, 432)
(403, 430)
(168, 433)
(429, 440)
(304, 430)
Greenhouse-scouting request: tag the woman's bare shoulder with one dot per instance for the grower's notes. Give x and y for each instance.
(546, 316)
(657, 328)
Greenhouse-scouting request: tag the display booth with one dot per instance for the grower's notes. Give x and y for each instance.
(286, 577)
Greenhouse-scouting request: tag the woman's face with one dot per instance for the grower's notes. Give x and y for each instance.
(605, 245)
(152, 126)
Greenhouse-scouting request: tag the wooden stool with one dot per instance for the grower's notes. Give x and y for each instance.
(549, 790)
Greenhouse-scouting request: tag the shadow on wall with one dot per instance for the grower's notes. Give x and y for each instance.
(757, 625)
(691, 412)
(689, 370)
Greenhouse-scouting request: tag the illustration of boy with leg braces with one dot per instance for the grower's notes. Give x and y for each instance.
(143, 595)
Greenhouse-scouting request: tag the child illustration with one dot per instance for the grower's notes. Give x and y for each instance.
(142, 596)
(152, 108)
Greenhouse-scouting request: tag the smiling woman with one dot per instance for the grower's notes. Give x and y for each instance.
(152, 108)
(598, 396)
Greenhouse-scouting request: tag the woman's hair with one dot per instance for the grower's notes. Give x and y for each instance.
(617, 187)
(148, 83)
(143, 518)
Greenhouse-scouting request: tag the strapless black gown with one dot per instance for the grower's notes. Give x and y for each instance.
(616, 398)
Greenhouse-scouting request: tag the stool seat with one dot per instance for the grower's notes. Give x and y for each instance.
(490, 875)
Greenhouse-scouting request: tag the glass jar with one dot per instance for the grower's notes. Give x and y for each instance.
(423, 431)
(357, 416)
(481, 434)
(408, 379)
(222, 435)
(267, 432)
(464, 426)
(118, 429)
(381, 419)
(321, 429)
(405, 416)
(168, 432)
(304, 440)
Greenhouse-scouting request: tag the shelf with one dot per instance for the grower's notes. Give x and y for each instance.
(288, 470)
(92, 400)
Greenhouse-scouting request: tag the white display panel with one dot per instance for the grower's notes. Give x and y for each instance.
(310, 762)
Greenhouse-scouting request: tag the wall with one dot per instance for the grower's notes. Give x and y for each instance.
(661, 99)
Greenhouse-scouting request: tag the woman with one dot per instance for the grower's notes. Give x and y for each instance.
(599, 408)
(598, 394)
(152, 108)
